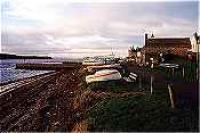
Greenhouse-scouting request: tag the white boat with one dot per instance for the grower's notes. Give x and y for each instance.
(99, 60)
(96, 68)
(93, 61)
(131, 78)
(104, 75)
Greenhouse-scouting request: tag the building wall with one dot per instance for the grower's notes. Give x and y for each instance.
(175, 51)
(195, 44)
(176, 46)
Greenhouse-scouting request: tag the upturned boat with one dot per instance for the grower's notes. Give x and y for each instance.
(104, 75)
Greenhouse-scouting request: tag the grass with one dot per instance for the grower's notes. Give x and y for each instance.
(144, 113)
(141, 113)
(116, 86)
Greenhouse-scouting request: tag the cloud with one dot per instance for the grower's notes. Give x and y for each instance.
(61, 28)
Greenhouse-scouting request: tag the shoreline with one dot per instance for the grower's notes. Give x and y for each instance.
(23, 79)
(42, 67)
(33, 100)
(15, 85)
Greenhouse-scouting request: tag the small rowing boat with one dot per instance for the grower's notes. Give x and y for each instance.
(104, 75)
(96, 68)
(93, 61)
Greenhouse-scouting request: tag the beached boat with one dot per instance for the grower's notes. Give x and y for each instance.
(131, 78)
(93, 61)
(104, 75)
(99, 60)
(96, 68)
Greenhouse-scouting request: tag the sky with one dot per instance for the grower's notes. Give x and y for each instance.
(75, 29)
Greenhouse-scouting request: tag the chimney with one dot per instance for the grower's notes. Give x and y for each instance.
(145, 39)
(152, 35)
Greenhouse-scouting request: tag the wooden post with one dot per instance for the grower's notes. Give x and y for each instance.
(140, 82)
(183, 72)
(152, 64)
(173, 71)
(151, 85)
(171, 96)
(197, 64)
(197, 73)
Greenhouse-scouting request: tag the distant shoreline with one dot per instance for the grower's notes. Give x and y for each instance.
(13, 56)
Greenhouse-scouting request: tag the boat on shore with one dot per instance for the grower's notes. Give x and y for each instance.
(104, 75)
(99, 60)
(93, 61)
(101, 67)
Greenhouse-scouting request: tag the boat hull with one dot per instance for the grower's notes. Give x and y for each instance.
(104, 75)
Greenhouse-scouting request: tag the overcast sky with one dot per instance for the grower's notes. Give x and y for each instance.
(60, 28)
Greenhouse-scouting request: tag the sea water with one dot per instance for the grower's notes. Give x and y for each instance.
(9, 73)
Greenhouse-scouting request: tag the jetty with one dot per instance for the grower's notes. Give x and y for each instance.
(18, 84)
(29, 66)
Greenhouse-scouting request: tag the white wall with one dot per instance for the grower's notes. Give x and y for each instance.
(195, 45)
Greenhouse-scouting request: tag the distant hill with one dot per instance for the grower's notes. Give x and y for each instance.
(12, 56)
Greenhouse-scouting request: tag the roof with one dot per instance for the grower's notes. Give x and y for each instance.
(168, 42)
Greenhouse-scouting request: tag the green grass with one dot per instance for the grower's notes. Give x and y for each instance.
(112, 86)
(116, 86)
(141, 113)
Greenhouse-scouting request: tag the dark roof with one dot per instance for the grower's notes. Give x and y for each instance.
(168, 42)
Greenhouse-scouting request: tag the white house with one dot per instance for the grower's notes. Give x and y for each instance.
(195, 42)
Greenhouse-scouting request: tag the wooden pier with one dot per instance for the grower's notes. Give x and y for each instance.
(47, 66)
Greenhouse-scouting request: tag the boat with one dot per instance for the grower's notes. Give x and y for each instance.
(104, 75)
(90, 61)
(111, 66)
(131, 78)
(99, 60)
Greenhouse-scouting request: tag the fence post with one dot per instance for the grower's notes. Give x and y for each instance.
(183, 72)
(140, 82)
(173, 71)
(151, 84)
(171, 96)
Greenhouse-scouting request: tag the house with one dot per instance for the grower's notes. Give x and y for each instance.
(132, 52)
(155, 47)
(177, 46)
(195, 42)
(137, 55)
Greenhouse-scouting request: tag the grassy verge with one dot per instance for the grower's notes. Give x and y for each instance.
(144, 113)
(141, 113)
(117, 86)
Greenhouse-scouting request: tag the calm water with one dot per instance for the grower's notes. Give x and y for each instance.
(9, 73)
